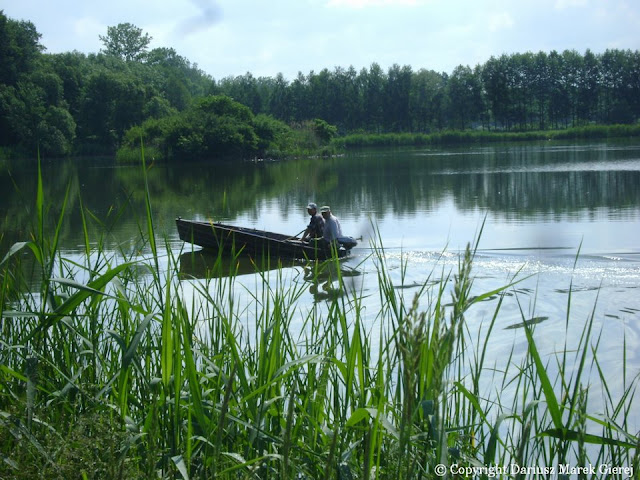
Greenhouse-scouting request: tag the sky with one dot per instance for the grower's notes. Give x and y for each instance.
(232, 37)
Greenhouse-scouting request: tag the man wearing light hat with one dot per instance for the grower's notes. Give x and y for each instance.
(316, 224)
(332, 229)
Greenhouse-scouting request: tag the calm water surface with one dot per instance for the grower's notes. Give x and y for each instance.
(563, 218)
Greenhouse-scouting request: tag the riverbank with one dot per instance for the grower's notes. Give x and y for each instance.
(457, 137)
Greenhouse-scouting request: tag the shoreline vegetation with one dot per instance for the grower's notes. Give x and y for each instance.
(454, 137)
(319, 139)
(101, 104)
(107, 370)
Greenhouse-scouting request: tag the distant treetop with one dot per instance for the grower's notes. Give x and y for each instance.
(126, 41)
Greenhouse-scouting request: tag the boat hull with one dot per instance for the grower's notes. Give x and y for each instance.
(232, 240)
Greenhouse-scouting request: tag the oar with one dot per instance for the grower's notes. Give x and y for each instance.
(295, 236)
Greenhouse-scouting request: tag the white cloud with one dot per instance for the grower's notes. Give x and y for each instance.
(500, 21)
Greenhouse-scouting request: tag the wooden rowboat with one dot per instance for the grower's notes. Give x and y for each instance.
(234, 240)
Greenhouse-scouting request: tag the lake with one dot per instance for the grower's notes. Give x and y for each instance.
(563, 219)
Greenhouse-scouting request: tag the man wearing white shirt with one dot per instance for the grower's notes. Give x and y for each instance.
(332, 230)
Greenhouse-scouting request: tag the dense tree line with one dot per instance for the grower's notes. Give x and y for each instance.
(85, 104)
(76, 103)
(530, 91)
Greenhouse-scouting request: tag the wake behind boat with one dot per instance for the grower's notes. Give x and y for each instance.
(248, 241)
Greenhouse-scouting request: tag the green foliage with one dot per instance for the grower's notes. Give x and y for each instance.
(217, 127)
(106, 94)
(29, 111)
(57, 131)
(324, 131)
(72, 103)
(126, 41)
(113, 103)
(158, 107)
(19, 49)
(517, 92)
(312, 137)
(90, 447)
(275, 138)
(454, 137)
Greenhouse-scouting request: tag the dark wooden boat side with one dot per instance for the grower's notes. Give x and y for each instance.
(247, 241)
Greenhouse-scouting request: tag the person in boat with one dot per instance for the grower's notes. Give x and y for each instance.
(316, 224)
(332, 229)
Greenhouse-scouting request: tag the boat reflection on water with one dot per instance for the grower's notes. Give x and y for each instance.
(205, 264)
(328, 280)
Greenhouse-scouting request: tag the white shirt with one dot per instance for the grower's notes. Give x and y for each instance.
(332, 229)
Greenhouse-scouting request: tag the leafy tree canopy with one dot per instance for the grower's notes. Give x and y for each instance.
(217, 127)
(126, 41)
(19, 48)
